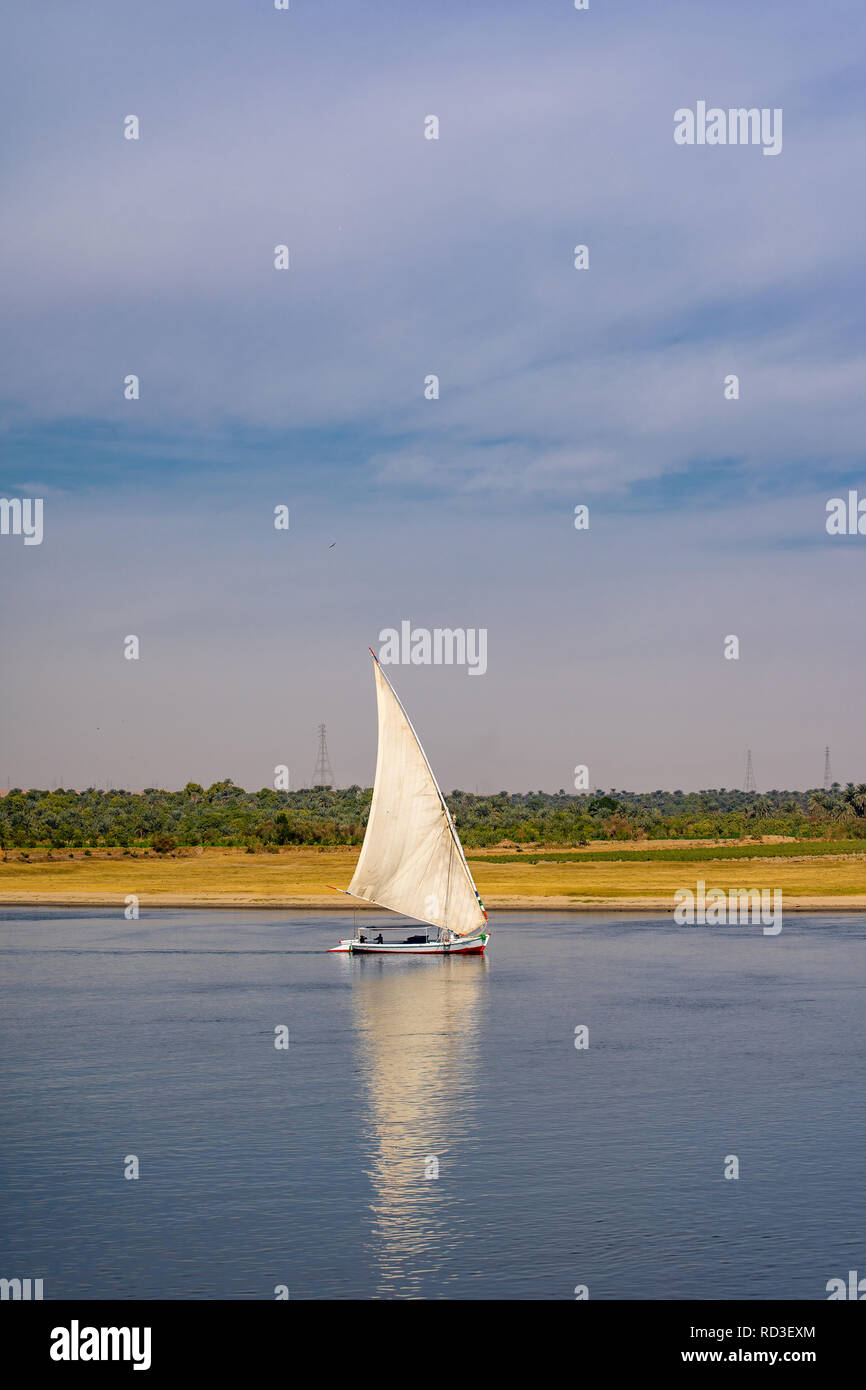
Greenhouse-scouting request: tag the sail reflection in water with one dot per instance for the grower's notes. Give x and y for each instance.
(418, 1053)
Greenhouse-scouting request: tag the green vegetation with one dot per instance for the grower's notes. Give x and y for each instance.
(684, 854)
(226, 815)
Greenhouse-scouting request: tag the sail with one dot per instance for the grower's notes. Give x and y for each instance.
(411, 859)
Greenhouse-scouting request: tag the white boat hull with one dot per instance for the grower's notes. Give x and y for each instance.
(458, 946)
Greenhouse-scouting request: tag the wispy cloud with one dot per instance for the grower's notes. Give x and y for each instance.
(411, 257)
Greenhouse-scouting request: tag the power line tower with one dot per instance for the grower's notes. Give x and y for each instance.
(323, 775)
(750, 785)
(828, 776)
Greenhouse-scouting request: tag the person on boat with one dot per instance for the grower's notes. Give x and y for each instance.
(361, 936)
(379, 940)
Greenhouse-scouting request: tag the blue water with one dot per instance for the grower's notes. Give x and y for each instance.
(306, 1167)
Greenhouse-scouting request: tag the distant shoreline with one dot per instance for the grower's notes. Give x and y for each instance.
(225, 902)
(301, 879)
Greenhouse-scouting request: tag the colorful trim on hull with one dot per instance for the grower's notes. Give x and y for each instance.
(366, 950)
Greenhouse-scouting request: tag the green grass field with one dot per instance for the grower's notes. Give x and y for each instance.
(831, 872)
(683, 854)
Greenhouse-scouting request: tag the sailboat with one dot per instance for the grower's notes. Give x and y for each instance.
(412, 861)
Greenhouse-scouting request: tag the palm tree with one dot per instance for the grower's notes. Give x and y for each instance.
(854, 798)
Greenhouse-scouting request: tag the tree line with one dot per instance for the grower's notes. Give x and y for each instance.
(225, 814)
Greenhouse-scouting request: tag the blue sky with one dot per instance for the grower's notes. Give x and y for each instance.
(411, 257)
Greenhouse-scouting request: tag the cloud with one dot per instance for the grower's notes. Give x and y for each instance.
(453, 257)
(411, 256)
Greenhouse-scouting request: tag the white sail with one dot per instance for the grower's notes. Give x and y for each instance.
(411, 859)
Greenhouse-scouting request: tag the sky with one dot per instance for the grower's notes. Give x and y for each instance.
(305, 387)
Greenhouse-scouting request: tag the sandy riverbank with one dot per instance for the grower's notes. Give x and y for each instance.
(299, 878)
(493, 905)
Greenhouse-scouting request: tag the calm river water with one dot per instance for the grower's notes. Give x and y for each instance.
(313, 1166)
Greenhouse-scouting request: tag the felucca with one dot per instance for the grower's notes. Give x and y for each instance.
(412, 861)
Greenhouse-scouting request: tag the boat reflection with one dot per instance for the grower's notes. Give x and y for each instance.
(418, 1053)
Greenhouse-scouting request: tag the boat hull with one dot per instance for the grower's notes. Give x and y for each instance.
(460, 946)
